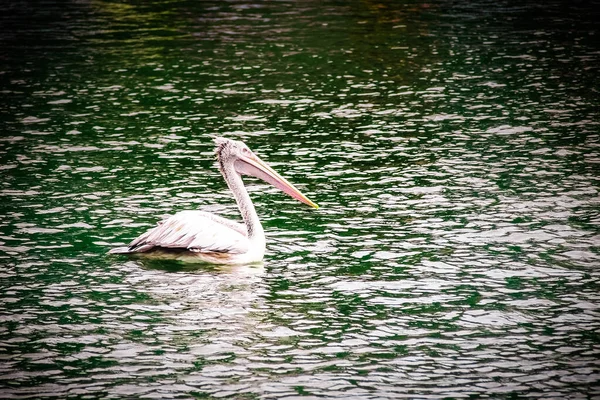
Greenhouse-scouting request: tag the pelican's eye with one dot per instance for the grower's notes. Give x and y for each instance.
(246, 150)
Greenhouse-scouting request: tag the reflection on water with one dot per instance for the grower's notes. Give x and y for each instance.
(453, 150)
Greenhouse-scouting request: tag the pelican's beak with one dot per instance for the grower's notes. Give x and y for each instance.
(254, 166)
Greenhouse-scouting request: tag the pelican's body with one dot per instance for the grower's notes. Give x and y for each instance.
(197, 236)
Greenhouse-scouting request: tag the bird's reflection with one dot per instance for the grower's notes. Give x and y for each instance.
(178, 266)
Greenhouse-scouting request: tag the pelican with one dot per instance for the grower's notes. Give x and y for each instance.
(202, 237)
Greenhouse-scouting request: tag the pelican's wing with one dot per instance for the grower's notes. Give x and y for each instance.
(195, 231)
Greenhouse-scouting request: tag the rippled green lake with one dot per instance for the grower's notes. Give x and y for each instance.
(454, 148)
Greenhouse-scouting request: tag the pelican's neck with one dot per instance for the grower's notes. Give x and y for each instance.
(242, 198)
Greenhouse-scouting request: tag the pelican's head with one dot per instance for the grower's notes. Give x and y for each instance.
(245, 162)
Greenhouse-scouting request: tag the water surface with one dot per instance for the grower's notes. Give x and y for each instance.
(453, 148)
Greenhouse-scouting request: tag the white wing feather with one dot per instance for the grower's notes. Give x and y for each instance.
(195, 231)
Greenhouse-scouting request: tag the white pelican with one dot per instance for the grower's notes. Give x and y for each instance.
(197, 236)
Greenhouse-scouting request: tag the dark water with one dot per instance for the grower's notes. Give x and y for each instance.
(453, 146)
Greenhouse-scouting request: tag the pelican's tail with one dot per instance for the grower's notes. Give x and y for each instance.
(120, 250)
(131, 250)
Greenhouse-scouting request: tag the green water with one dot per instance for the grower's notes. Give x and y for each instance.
(453, 148)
